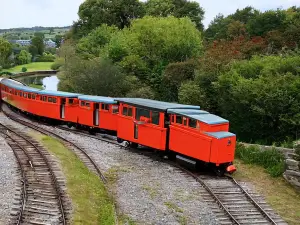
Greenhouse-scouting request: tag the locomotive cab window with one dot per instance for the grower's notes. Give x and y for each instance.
(192, 123)
(87, 104)
(179, 119)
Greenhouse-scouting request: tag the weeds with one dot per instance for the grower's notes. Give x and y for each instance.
(271, 160)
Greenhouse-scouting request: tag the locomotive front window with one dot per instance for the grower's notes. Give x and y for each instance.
(192, 123)
(179, 119)
(155, 118)
(142, 112)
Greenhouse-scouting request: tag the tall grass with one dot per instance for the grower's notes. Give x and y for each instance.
(271, 160)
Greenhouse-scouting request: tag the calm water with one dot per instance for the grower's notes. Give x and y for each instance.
(49, 82)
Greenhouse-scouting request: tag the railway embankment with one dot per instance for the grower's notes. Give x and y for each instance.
(291, 162)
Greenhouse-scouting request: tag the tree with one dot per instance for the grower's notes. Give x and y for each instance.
(91, 45)
(93, 13)
(5, 51)
(38, 45)
(190, 93)
(177, 8)
(24, 57)
(58, 39)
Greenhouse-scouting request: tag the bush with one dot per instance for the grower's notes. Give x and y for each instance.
(6, 73)
(271, 160)
(45, 58)
(24, 69)
(56, 65)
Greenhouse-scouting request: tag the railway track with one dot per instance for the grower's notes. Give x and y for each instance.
(80, 152)
(41, 195)
(230, 201)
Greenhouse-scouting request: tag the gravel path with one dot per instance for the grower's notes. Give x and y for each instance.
(146, 191)
(8, 180)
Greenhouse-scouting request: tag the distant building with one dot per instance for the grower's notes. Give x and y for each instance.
(23, 42)
(50, 44)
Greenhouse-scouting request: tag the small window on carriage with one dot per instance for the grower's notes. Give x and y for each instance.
(71, 101)
(25, 95)
(184, 121)
(20, 94)
(155, 118)
(82, 103)
(142, 112)
(179, 119)
(54, 100)
(16, 93)
(88, 104)
(50, 99)
(33, 96)
(29, 95)
(129, 112)
(115, 109)
(10, 91)
(104, 106)
(44, 98)
(125, 111)
(192, 123)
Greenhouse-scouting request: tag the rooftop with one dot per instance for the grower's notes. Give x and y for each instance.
(153, 104)
(97, 99)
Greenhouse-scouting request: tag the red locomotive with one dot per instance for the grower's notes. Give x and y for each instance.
(182, 130)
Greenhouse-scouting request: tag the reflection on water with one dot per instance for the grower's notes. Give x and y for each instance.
(49, 82)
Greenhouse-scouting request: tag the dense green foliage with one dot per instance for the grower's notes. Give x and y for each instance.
(271, 160)
(37, 45)
(5, 52)
(246, 69)
(24, 57)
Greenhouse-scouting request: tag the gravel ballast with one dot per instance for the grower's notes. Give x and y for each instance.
(8, 181)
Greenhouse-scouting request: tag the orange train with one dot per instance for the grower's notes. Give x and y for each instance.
(186, 131)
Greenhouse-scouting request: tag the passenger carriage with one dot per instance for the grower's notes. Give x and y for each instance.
(145, 122)
(98, 112)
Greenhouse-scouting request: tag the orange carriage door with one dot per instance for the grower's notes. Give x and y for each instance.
(96, 114)
(62, 108)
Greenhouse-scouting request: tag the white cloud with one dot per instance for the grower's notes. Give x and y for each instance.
(29, 13)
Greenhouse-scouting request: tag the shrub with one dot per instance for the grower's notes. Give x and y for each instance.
(56, 66)
(45, 58)
(271, 160)
(6, 73)
(24, 69)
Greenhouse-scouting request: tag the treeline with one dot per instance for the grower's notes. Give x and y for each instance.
(244, 67)
(32, 29)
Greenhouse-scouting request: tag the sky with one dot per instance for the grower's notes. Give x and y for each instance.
(30, 13)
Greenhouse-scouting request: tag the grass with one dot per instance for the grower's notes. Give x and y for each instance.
(282, 197)
(35, 66)
(271, 160)
(91, 201)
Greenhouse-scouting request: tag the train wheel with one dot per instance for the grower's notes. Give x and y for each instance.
(70, 125)
(219, 171)
(134, 145)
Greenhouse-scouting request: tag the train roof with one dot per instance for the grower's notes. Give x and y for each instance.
(153, 104)
(200, 115)
(220, 134)
(59, 94)
(19, 86)
(100, 99)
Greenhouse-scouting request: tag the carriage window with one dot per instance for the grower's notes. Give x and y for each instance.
(20, 94)
(33, 96)
(155, 118)
(50, 99)
(87, 104)
(125, 110)
(10, 90)
(192, 123)
(82, 103)
(29, 95)
(179, 119)
(44, 98)
(25, 95)
(16, 93)
(184, 121)
(104, 106)
(142, 112)
(115, 109)
(71, 101)
(54, 100)
(129, 111)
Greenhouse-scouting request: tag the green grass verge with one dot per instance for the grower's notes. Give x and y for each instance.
(35, 66)
(271, 160)
(91, 201)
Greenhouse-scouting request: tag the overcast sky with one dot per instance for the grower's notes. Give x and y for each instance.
(29, 13)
